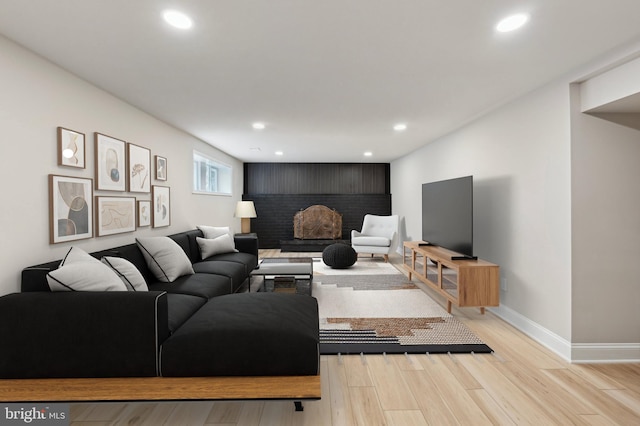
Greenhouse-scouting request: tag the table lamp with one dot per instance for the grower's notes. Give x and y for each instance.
(245, 210)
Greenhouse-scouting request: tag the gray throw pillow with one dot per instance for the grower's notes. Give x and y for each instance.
(79, 271)
(214, 231)
(218, 245)
(165, 258)
(127, 272)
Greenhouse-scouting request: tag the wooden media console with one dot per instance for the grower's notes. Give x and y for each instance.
(465, 283)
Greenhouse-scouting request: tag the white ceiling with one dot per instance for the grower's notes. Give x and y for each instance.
(329, 78)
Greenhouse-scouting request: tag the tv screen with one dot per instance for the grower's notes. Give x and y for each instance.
(447, 214)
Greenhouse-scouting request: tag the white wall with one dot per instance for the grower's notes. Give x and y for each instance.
(556, 206)
(37, 97)
(519, 156)
(606, 230)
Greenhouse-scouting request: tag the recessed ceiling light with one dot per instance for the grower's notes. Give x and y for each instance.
(279, 153)
(368, 154)
(258, 126)
(177, 19)
(512, 22)
(400, 127)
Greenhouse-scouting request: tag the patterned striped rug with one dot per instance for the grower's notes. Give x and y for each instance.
(373, 308)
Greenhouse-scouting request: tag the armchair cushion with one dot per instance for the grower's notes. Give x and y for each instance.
(371, 241)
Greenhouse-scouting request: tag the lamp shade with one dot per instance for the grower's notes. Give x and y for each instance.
(245, 209)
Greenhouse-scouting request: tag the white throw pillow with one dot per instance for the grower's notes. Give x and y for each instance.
(75, 255)
(218, 245)
(79, 271)
(127, 272)
(214, 231)
(165, 258)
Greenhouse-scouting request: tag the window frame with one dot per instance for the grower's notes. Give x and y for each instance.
(224, 174)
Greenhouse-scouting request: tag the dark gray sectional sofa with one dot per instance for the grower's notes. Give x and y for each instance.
(197, 326)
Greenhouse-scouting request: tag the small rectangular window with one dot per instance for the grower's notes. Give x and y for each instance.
(210, 176)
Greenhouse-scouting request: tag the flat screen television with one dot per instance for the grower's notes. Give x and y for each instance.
(447, 215)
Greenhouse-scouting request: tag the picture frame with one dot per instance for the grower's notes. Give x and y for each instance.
(139, 168)
(115, 215)
(71, 148)
(70, 208)
(161, 206)
(144, 213)
(161, 168)
(110, 161)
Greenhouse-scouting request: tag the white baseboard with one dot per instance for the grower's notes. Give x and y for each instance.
(572, 352)
(545, 337)
(605, 352)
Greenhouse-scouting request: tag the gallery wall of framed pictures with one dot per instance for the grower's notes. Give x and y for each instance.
(77, 207)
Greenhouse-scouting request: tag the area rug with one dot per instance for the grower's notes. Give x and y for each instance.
(373, 308)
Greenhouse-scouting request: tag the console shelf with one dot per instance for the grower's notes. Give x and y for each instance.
(465, 283)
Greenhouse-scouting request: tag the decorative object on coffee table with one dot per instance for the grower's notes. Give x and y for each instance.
(339, 256)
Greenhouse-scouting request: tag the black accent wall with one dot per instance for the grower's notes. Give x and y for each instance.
(279, 190)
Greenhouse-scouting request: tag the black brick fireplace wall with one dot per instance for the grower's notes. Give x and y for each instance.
(280, 190)
(275, 212)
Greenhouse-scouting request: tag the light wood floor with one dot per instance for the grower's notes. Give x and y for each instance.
(522, 383)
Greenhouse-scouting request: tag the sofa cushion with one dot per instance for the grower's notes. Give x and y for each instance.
(249, 261)
(235, 271)
(218, 245)
(181, 307)
(127, 272)
(246, 334)
(166, 259)
(79, 271)
(202, 285)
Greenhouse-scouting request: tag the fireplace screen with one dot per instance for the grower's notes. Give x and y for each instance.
(317, 223)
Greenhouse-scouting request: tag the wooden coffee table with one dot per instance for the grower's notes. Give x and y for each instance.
(287, 271)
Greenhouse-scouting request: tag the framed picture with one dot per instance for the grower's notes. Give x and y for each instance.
(70, 208)
(144, 213)
(115, 215)
(161, 212)
(71, 149)
(111, 165)
(139, 168)
(161, 168)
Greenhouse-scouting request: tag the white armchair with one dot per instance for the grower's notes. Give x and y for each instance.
(379, 235)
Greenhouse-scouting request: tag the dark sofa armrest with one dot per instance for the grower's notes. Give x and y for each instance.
(247, 243)
(81, 334)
